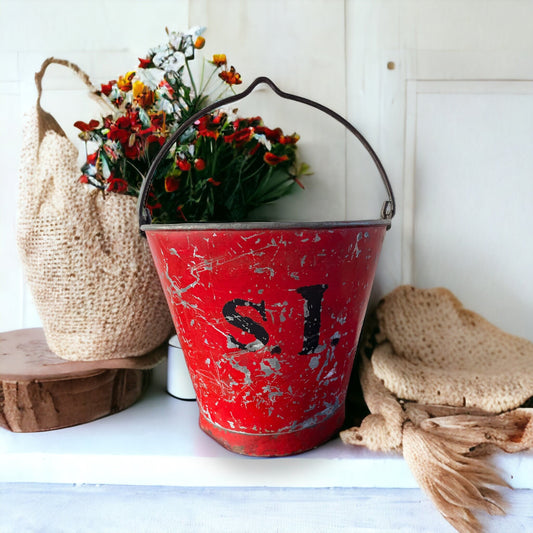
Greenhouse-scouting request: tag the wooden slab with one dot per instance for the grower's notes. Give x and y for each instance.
(40, 391)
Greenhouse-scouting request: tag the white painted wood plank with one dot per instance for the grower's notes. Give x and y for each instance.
(471, 183)
(408, 185)
(33, 25)
(11, 284)
(85, 508)
(300, 45)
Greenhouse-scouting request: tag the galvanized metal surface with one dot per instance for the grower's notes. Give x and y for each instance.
(240, 226)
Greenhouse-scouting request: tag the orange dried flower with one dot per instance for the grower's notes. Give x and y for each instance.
(199, 43)
(219, 60)
(273, 159)
(124, 82)
(142, 94)
(289, 139)
(83, 126)
(231, 76)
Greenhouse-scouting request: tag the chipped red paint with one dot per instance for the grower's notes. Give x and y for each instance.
(269, 319)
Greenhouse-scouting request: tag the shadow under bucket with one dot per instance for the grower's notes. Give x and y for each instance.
(268, 315)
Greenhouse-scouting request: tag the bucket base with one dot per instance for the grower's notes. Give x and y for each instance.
(275, 444)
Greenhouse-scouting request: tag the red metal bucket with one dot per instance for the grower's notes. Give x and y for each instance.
(269, 316)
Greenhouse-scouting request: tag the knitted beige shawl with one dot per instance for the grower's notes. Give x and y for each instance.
(444, 386)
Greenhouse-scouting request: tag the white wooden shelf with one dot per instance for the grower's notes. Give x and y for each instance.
(157, 442)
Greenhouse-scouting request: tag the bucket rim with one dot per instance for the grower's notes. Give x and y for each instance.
(265, 225)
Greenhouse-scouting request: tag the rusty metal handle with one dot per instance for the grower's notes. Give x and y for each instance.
(389, 206)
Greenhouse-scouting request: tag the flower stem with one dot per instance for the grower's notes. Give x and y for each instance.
(192, 79)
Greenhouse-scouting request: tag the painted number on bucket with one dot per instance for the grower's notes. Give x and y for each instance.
(312, 295)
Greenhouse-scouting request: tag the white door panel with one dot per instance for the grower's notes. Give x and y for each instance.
(468, 175)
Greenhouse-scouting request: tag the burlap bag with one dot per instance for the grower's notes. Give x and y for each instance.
(446, 388)
(89, 271)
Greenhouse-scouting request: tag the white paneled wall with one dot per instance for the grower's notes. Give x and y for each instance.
(469, 165)
(362, 58)
(395, 46)
(11, 285)
(300, 45)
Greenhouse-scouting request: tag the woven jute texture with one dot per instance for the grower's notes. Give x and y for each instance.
(90, 272)
(439, 352)
(446, 388)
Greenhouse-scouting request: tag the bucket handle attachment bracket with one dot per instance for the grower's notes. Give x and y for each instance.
(389, 206)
